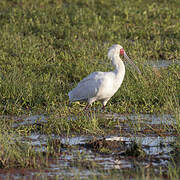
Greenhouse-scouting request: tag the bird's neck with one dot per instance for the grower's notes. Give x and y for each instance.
(119, 66)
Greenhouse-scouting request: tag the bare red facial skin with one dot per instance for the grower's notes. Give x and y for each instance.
(122, 52)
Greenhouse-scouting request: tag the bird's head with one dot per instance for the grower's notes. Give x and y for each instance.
(115, 51)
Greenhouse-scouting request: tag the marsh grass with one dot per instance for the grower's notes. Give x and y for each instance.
(16, 154)
(23, 155)
(47, 47)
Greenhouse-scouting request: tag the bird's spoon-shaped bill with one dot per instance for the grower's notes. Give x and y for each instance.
(132, 63)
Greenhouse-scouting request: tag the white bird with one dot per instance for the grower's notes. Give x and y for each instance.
(101, 86)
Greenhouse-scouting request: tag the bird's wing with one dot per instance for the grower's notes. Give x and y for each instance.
(93, 75)
(87, 87)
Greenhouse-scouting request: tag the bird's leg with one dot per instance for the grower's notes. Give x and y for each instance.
(104, 102)
(87, 107)
(103, 108)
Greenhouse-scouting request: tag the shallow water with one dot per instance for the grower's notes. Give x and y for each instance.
(144, 118)
(35, 119)
(67, 163)
(77, 160)
(163, 63)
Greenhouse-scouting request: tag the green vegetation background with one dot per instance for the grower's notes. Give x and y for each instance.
(47, 46)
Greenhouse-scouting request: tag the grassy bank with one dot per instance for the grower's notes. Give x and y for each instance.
(46, 47)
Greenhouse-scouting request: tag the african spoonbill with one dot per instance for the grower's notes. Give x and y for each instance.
(101, 86)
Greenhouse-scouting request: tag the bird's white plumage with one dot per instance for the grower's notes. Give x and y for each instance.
(101, 85)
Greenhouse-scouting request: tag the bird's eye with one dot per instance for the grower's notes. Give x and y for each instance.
(122, 51)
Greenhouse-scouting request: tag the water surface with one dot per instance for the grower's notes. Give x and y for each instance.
(77, 160)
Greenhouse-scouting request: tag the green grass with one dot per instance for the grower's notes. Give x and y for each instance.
(47, 47)
(16, 154)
